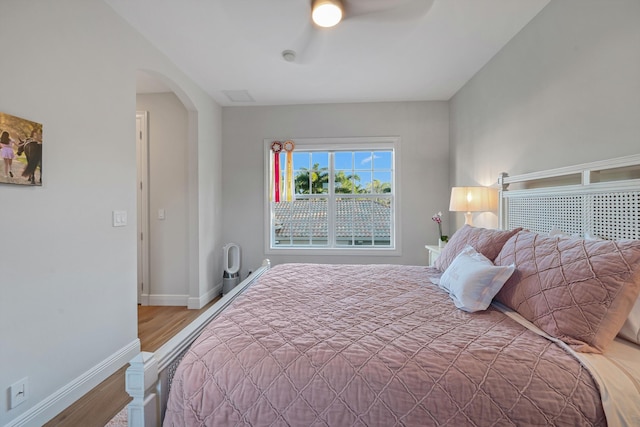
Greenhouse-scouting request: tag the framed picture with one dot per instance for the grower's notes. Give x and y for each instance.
(20, 151)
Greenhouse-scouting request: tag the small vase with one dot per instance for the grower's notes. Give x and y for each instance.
(441, 243)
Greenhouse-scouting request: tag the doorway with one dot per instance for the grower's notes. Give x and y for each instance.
(167, 194)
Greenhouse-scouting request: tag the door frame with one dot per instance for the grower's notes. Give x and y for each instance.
(142, 202)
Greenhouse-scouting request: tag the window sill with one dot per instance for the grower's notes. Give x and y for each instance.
(334, 251)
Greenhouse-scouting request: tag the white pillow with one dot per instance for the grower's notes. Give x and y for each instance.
(590, 236)
(556, 232)
(472, 280)
(559, 234)
(631, 328)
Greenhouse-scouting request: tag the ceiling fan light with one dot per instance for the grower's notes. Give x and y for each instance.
(326, 13)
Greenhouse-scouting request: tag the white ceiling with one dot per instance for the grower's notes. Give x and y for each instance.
(384, 50)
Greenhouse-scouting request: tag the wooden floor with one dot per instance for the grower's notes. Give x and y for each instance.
(156, 325)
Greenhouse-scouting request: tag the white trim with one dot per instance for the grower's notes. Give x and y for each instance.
(198, 303)
(140, 377)
(606, 209)
(144, 299)
(57, 402)
(582, 168)
(142, 187)
(194, 254)
(168, 300)
(599, 187)
(183, 299)
(350, 143)
(338, 143)
(348, 251)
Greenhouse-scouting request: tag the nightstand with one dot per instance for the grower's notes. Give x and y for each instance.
(434, 253)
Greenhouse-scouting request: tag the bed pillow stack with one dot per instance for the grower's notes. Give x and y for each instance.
(579, 291)
(485, 241)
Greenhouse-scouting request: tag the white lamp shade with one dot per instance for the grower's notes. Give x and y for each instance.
(326, 13)
(473, 199)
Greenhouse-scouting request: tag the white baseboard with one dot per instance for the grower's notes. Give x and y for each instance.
(169, 300)
(144, 299)
(198, 303)
(67, 395)
(182, 300)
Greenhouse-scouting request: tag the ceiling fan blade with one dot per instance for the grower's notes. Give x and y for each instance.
(309, 44)
(387, 10)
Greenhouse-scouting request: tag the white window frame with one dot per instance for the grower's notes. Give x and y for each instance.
(344, 144)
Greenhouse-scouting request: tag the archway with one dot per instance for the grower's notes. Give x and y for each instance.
(167, 187)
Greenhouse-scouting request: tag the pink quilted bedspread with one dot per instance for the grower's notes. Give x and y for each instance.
(375, 345)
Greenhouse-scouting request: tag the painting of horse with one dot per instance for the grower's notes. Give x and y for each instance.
(33, 151)
(20, 151)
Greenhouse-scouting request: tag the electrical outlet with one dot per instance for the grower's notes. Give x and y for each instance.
(19, 392)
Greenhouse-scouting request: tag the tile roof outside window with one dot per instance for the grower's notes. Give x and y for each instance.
(356, 219)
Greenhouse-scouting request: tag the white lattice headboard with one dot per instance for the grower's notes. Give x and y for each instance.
(599, 198)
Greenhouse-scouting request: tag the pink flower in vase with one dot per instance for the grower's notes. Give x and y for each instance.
(438, 219)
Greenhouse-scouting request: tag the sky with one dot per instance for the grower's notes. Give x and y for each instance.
(367, 165)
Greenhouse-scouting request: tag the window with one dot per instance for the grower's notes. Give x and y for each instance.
(333, 194)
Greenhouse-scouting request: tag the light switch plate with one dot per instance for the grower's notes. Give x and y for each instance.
(19, 392)
(119, 218)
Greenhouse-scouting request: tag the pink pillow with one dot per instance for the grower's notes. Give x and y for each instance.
(579, 291)
(485, 241)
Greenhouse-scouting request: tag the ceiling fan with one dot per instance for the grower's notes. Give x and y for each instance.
(326, 14)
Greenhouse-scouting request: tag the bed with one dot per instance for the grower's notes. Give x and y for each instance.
(533, 324)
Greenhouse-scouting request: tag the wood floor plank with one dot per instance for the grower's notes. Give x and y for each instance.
(156, 326)
(97, 407)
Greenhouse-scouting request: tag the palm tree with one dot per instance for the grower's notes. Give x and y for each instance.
(316, 179)
(377, 187)
(345, 184)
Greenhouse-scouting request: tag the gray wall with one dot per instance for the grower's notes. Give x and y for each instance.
(168, 190)
(423, 173)
(68, 282)
(565, 90)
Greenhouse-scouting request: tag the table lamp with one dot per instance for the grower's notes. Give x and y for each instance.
(472, 199)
